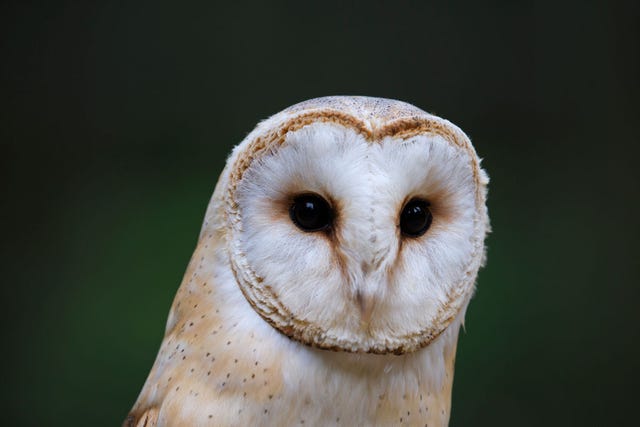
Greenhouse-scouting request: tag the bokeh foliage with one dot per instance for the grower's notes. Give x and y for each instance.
(116, 118)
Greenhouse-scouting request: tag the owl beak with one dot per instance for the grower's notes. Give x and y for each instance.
(366, 304)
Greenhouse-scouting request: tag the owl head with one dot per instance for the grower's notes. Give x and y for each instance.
(354, 224)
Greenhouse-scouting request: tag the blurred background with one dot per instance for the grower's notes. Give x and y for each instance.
(116, 119)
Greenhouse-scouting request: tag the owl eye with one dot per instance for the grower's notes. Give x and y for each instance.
(415, 218)
(310, 212)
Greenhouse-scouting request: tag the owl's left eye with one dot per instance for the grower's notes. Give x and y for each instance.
(415, 218)
(310, 212)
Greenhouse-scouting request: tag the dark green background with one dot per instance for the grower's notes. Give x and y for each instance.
(116, 118)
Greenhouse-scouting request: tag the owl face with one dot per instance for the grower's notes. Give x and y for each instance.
(354, 233)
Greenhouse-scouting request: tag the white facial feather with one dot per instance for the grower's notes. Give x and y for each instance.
(406, 280)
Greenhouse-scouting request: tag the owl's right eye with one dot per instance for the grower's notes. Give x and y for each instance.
(310, 212)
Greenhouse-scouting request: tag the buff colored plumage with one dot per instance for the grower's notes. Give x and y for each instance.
(356, 324)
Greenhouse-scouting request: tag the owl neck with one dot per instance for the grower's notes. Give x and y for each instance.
(415, 387)
(295, 379)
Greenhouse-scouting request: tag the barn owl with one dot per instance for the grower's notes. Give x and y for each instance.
(332, 273)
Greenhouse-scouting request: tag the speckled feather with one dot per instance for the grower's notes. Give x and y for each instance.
(227, 359)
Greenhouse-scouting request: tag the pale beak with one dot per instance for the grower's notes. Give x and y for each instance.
(366, 305)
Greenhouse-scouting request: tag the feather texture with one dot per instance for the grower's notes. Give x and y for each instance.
(356, 325)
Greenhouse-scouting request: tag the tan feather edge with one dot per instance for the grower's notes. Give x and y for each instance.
(265, 301)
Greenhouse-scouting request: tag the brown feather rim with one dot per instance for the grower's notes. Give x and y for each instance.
(264, 300)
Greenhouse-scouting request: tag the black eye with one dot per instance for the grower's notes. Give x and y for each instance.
(415, 218)
(311, 212)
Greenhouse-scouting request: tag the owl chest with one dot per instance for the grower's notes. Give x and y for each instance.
(260, 387)
(226, 366)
